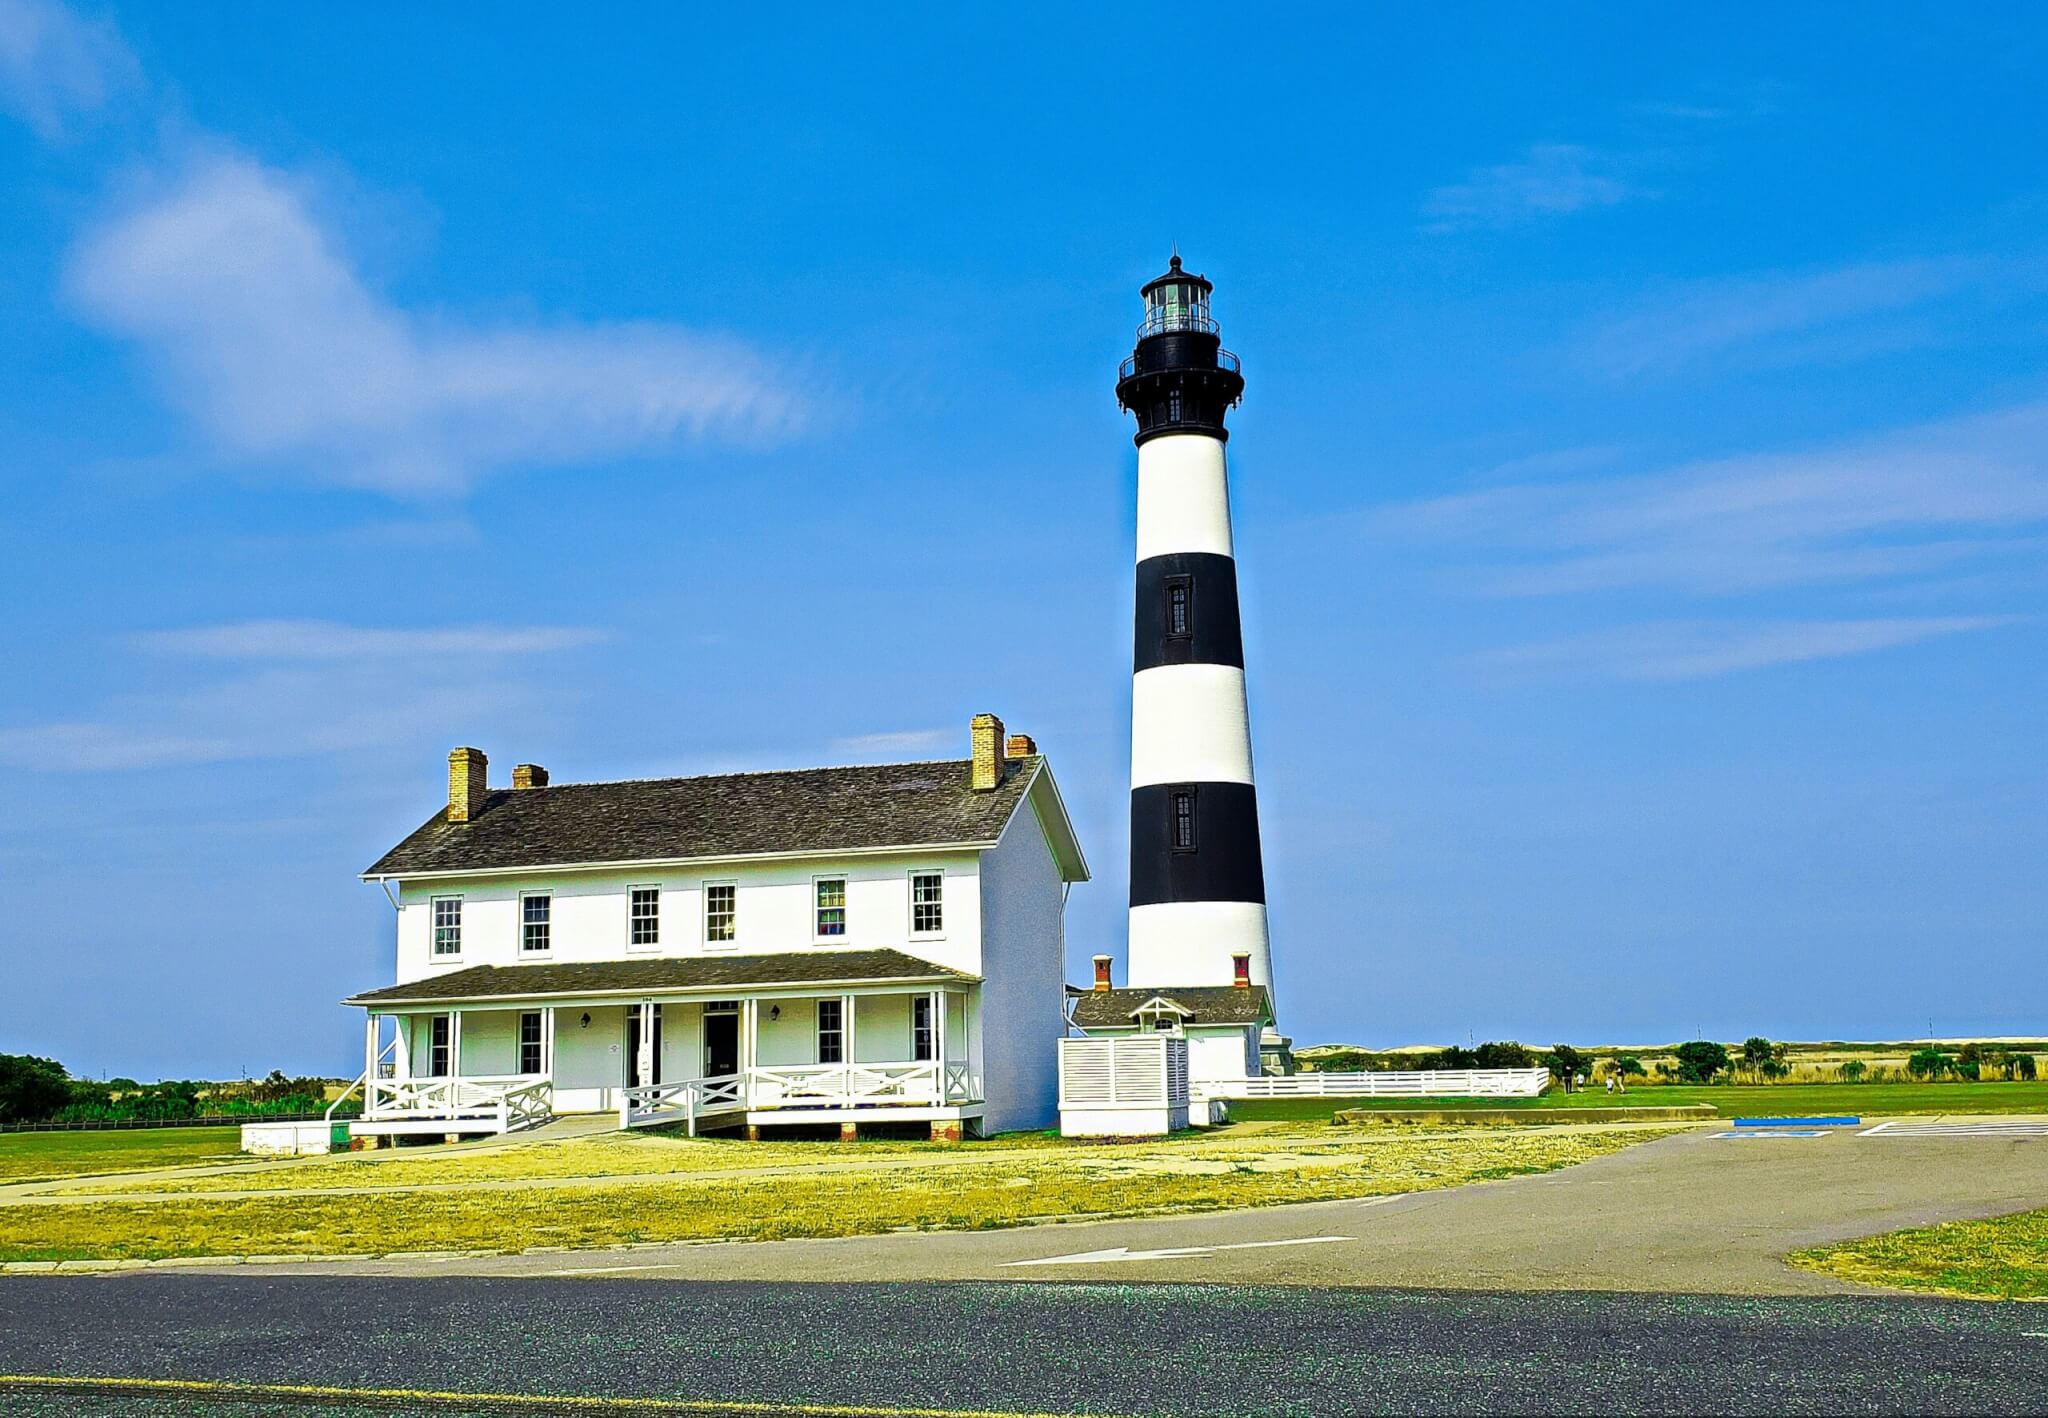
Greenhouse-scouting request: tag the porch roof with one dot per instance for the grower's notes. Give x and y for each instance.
(666, 976)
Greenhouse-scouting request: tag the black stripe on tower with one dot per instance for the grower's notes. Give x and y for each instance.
(1187, 611)
(1221, 820)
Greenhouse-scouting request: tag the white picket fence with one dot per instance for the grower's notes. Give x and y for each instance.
(1426, 1083)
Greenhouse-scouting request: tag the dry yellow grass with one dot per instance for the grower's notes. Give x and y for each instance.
(2003, 1258)
(952, 1190)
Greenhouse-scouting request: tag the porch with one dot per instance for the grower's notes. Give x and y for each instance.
(764, 1059)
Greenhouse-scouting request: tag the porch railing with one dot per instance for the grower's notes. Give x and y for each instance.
(800, 1086)
(506, 1102)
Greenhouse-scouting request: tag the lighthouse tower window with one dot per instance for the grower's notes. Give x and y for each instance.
(1179, 622)
(1183, 819)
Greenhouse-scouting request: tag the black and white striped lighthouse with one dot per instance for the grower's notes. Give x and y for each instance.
(1198, 884)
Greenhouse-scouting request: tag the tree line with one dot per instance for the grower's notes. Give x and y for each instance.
(39, 1090)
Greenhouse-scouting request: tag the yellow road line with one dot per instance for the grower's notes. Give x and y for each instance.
(468, 1402)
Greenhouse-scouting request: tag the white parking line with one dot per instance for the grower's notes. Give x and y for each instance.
(1124, 1253)
(1899, 1128)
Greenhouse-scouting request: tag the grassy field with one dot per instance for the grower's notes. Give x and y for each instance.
(534, 1196)
(1769, 1100)
(2005, 1258)
(33, 1156)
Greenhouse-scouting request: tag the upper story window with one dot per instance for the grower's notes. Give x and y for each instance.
(831, 911)
(927, 903)
(643, 926)
(1179, 607)
(447, 925)
(721, 912)
(1183, 819)
(536, 921)
(831, 1032)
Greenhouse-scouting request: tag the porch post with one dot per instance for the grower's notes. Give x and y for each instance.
(454, 1047)
(401, 1055)
(846, 1048)
(750, 1045)
(646, 1060)
(938, 1009)
(369, 1063)
(547, 1042)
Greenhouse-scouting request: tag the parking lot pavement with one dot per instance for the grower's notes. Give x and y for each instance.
(1697, 1213)
(1009, 1348)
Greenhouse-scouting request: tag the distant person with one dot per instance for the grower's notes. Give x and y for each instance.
(1610, 1083)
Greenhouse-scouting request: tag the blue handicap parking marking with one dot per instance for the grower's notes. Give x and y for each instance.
(1837, 1121)
(1755, 1132)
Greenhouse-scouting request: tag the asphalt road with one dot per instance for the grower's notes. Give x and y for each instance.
(1018, 1347)
(1690, 1214)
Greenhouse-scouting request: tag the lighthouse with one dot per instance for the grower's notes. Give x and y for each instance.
(1198, 884)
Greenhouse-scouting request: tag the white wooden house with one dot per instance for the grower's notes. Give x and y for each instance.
(824, 946)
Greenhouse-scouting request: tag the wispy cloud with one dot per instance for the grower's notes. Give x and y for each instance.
(1898, 505)
(1554, 179)
(1700, 320)
(329, 640)
(56, 67)
(895, 741)
(1703, 649)
(267, 337)
(305, 687)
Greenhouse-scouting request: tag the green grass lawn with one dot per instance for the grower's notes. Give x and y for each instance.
(31, 1156)
(2005, 1258)
(1779, 1100)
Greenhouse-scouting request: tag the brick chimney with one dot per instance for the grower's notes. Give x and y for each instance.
(1102, 974)
(529, 775)
(1019, 746)
(1241, 970)
(987, 733)
(468, 781)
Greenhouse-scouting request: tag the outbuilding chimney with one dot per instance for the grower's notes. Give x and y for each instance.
(1019, 746)
(529, 775)
(987, 733)
(468, 781)
(1102, 974)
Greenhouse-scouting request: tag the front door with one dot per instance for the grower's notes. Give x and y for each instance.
(721, 1045)
(633, 1078)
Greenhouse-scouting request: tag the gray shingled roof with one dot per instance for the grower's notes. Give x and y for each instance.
(726, 815)
(703, 972)
(1206, 1004)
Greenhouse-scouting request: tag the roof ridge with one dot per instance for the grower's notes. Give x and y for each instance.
(760, 773)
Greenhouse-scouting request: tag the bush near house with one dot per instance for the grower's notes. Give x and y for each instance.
(31, 1088)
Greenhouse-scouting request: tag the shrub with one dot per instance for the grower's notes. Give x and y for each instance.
(1506, 1054)
(1566, 1064)
(1700, 1060)
(1930, 1063)
(1756, 1052)
(1629, 1066)
(2019, 1066)
(1853, 1071)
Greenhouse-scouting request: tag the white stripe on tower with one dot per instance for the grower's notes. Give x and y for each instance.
(1197, 879)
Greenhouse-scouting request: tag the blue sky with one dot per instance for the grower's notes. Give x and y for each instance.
(1641, 487)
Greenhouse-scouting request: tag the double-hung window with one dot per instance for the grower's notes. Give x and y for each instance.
(529, 1042)
(831, 1032)
(927, 903)
(536, 921)
(447, 925)
(921, 1037)
(643, 927)
(831, 912)
(721, 912)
